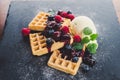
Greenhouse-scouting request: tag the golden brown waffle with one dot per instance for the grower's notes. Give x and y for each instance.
(38, 44)
(67, 66)
(39, 22)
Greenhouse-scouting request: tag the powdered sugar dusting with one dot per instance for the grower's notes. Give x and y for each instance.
(48, 72)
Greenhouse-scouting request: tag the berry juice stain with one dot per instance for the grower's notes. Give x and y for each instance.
(49, 49)
(49, 42)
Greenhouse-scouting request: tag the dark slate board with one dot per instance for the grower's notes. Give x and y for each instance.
(17, 62)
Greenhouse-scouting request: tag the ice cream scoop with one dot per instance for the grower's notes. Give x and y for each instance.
(80, 22)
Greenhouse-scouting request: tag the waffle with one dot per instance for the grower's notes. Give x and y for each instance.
(39, 22)
(62, 64)
(39, 46)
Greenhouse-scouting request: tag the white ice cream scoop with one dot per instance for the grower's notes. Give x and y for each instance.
(80, 22)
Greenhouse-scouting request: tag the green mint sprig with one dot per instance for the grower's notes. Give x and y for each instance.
(93, 37)
(87, 31)
(77, 46)
(85, 40)
(91, 47)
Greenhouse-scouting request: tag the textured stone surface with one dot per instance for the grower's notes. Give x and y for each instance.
(17, 62)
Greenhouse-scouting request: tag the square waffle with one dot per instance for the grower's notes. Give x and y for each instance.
(39, 46)
(67, 66)
(39, 22)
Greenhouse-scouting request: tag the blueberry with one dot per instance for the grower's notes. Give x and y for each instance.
(89, 61)
(48, 33)
(57, 26)
(50, 18)
(65, 37)
(69, 12)
(85, 68)
(51, 32)
(68, 50)
(68, 47)
(62, 51)
(49, 42)
(75, 59)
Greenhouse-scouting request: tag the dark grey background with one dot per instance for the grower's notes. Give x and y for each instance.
(17, 61)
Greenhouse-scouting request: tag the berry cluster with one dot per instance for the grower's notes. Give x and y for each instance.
(55, 30)
(88, 61)
(70, 53)
(67, 14)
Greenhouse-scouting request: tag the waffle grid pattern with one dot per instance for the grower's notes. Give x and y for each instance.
(38, 44)
(39, 22)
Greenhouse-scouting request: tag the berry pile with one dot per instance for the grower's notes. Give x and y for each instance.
(70, 52)
(88, 61)
(67, 14)
(55, 30)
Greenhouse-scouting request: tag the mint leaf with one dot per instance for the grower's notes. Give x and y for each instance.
(92, 48)
(77, 46)
(85, 40)
(93, 37)
(87, 31)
